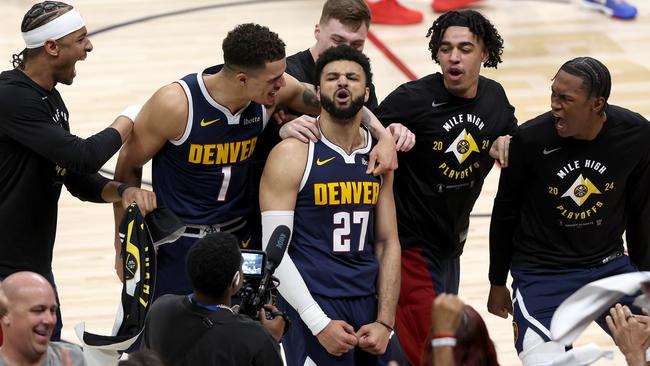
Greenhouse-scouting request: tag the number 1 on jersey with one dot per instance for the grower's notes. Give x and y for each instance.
(226, 172)
(341, 235)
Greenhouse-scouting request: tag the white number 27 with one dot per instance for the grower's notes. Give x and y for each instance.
(342, 233)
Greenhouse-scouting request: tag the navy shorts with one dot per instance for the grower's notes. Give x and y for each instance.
(538, 292)
(300, 344)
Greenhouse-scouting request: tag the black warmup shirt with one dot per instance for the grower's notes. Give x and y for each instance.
(565, 203)
(175, 329)
(38, 155)
(439, 180)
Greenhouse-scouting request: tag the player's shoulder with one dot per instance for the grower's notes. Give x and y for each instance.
(537, 130)
(170, 101)
(290, 146)
(490, 86)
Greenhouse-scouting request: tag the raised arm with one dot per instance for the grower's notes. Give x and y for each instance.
(374, 337)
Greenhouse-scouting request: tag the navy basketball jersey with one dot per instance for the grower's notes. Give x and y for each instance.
(333, 230)
(202, 176)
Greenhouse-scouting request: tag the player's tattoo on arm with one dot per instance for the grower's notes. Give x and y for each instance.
(366, 119)
(309, 96)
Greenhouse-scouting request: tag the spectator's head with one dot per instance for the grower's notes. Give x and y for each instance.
(579, 97)
(30, 316)
(55, 31)
(342, 22)
(255, 56)
(460, 42)
(143, 357)
(343, 78)
(473, 344)
(214, 265)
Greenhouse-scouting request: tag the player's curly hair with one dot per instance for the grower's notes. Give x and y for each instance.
(594, 74)
(212, 263)
(251, 46)
(35, 17)
(477, 24)
(343, 52)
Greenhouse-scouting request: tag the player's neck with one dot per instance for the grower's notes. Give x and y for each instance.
(40, 73)
(347, 135)
(223, 89)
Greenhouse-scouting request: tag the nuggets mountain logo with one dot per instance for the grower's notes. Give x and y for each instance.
(462, 149)
(581, 193)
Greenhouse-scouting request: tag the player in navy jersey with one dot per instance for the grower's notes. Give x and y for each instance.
(457, 117)
(340, 277)
(201, 132)
(578, 179)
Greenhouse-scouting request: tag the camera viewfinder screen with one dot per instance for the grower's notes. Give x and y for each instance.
(252, 263)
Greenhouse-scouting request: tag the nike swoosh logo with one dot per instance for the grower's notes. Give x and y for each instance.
(321, 162)
(436, 105)
(244, 244)
(546, 152)
(208, 123)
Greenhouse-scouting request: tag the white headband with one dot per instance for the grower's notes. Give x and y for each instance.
(60, 27)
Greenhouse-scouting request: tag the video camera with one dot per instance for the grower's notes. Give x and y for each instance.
(258, 268)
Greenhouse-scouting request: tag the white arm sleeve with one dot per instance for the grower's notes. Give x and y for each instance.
(292, 286)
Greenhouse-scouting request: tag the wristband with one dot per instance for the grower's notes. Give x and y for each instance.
(131, 112)
(123, 187)
(390, 329)
(443, 342)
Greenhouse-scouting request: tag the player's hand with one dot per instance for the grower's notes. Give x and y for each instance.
(338, 337)
(373, 338)
(499, 301)
(631, 336)
(403, 137)
(146, 200)
(280, 116)
(275, 325)
(383, 157)
(304, 128)
(446, 312)
(500, 149)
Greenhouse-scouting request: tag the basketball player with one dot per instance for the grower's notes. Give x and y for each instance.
(341, 22)
(340, 277)
(578, 179)
(38, 154)
(457, 116)
(201, 132)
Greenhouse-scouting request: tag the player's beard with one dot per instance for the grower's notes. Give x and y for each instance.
(342, 114)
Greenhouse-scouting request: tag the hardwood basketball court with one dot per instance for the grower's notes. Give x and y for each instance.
(130, 62)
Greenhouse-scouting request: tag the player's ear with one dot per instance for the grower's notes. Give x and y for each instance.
(242, 78)
(366, 95)
(316, 31)
(318, 92)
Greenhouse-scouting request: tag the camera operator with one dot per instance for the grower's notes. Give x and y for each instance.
(201, 328)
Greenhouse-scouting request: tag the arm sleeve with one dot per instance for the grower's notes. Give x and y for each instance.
(505, 214)
(638, 226)
(28, 122)
(292, 285)
(86, 187)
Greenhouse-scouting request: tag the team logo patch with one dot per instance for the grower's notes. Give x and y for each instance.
(580, 190)
(131, 266)
(463, 146)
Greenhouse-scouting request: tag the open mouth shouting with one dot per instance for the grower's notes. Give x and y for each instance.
(455, 73)
(342, 96)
